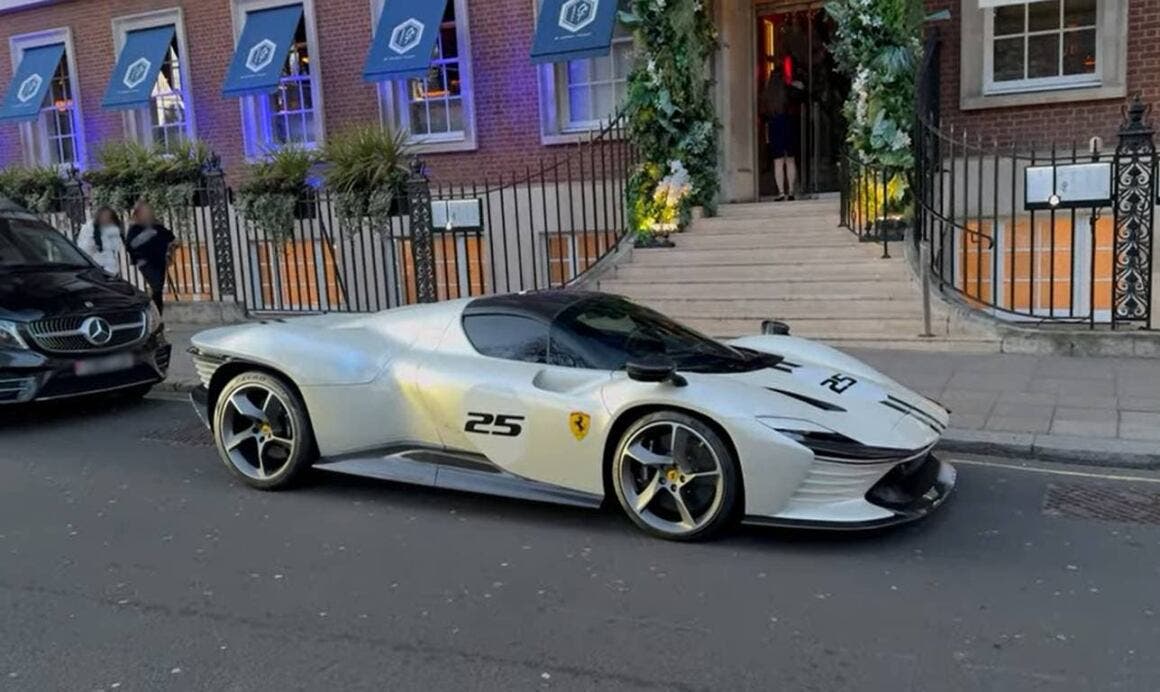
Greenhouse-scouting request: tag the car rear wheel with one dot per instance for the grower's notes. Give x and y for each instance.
(675, 477)
(262, 431)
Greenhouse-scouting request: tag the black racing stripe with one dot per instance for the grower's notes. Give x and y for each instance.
(927, 418)
(816, 403)
(907, 412)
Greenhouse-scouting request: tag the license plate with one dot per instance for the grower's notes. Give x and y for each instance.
(100, 366)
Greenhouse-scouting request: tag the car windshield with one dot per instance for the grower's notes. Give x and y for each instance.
(607, 332)
(30, 244)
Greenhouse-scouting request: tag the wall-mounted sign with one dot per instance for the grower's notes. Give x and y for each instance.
(1068, 186)
(449, 215)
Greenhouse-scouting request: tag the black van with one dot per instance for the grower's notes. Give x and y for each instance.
(66, 327)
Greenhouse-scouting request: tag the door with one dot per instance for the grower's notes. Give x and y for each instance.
(795, 38)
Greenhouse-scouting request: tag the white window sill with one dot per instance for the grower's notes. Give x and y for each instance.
(1042, 96)
(441, 145)
(573, 136)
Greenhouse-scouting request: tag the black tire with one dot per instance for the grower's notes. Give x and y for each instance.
(285, 420)
(719, 513)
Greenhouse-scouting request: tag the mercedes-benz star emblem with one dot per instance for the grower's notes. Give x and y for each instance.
(97, 331)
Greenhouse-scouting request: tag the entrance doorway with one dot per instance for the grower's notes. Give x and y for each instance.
(795, 37)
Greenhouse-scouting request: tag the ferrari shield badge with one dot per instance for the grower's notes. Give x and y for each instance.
(578, 422)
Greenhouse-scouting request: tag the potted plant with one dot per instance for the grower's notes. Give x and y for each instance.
(168, 179)
(661, 203)
(39, 189)
(367, 171)
(275, 192)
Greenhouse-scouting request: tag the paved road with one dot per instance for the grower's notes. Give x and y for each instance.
(132, 563)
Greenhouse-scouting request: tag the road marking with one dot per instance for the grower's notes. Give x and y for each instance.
(1056, 472)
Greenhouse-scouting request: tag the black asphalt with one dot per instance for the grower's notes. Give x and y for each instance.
(130, 560)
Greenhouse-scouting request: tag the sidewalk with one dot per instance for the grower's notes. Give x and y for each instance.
(1101, 411)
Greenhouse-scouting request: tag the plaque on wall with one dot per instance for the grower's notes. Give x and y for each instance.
(1068, 186)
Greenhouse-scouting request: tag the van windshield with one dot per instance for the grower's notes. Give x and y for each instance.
(30, 244)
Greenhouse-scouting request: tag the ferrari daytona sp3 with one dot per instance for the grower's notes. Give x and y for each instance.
(575, 398)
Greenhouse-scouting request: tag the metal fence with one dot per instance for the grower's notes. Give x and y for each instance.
(540, 227)
(875, 202)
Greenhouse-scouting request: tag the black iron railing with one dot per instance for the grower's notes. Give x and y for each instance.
(874, 202)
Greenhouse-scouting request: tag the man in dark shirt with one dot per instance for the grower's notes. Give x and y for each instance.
(149, 243)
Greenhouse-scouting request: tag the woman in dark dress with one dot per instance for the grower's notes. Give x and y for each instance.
(778, 98)
(149, 245)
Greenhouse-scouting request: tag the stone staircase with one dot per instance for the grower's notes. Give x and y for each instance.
(789, 261)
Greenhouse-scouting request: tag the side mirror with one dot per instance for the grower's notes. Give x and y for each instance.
(775, 327)
(657, 369)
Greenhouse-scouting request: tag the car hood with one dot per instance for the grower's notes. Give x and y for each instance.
(33, 295)
(829, 388)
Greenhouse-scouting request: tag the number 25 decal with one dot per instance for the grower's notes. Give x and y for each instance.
(838, 384)
(493, 424)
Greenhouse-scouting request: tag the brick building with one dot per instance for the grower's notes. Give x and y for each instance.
(1047, 70)
(483, 109)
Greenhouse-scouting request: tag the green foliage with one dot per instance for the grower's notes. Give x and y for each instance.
(367, 167)
(669, 108)
(166, 179)
(878, 47)
(272, 189)
(37, 189)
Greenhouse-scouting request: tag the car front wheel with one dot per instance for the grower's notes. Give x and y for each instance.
(262, 431)
(675, 477)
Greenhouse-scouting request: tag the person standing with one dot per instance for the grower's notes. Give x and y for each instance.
(150, 244)
(781, 129)
(101, 240)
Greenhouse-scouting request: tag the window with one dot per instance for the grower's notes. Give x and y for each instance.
(508, 337)
(168, 120)
(58, 119)
(437, 110)
(292, 114)
(1042, 45)
(593, 89)
(56, 138)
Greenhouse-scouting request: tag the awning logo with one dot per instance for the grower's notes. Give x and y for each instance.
(261, 55)
(29, 88)
(136, 73)
(577, 14)
(407, 36)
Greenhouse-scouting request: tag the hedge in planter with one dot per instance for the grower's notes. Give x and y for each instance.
(272, 195)
(166, 179)
(38, 189)
(367, 171)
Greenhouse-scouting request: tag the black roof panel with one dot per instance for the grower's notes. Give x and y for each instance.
(541, 305)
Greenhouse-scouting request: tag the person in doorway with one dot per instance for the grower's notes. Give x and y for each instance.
(777, 109)
(101, 240)
(150, 246)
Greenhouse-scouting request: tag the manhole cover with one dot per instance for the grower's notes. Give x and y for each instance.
(186, 435)
(1105, 503)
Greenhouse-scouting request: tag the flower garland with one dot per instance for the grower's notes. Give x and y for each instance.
(671, 119)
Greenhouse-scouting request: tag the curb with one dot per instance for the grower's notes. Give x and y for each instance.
(1084, 451)
(1101, 452)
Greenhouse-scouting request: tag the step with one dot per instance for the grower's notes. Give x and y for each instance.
(779, 224)
(693, 240)
(677, 257)
(816, 328)
(786, 308)
(865, 270)
(816, 290)
(935, 345)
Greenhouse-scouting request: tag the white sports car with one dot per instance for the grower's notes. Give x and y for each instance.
(574, 397)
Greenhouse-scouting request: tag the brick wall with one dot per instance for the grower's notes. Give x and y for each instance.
(506, 91)
(1039, 125)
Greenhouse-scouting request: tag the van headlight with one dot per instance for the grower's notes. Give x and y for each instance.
(152, 319)
(10, 336)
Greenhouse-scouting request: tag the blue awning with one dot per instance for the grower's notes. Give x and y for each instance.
(261, 51)
(574, 29)
(141, 59)
(33, 77)
(404, 39)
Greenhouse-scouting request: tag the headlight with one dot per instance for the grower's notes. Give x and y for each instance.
(826, 443)
(152, 318)
(10, 336)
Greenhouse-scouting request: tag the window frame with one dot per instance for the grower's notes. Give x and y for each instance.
(1034, 84)
(253, 108)
(393, 101)
(34, 135)
(138, 121)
